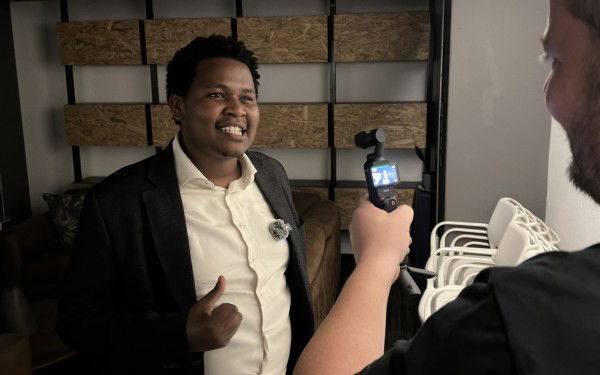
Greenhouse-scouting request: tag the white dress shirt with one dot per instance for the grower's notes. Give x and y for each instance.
(228, 235)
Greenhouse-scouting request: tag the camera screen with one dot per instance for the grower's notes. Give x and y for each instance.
(384, 175)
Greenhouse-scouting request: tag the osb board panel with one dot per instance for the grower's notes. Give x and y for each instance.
(321, 191)
(106, 124)
(381, 37)
(165, 37)
(163, 126)
(346, 200)
(285, 39)
(405, 123)
(292, 126)
(99, 42)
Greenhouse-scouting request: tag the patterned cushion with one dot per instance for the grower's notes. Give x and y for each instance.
(64, 210)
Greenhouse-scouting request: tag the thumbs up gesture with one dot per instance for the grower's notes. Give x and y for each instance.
(209, 327)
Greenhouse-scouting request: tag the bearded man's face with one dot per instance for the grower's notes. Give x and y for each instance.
(573, 92)
(584, 136)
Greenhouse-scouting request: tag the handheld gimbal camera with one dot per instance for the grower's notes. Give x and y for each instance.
(382, 176)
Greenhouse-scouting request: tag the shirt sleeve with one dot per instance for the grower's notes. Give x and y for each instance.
(467, 336)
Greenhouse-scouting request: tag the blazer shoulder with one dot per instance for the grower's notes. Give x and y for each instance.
(129, 178)
(262, 161)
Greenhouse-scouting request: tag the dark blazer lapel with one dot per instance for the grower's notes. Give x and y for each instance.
(167, 225)
(275, 197)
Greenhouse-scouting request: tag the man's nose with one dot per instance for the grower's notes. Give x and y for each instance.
(235, 108)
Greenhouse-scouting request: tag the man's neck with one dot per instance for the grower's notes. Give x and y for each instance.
(220, 171)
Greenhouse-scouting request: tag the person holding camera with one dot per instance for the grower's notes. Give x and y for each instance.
(538, 318)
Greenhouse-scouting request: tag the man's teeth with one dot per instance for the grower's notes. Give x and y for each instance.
(232, 130)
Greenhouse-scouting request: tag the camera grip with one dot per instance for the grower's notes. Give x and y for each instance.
(407, 282)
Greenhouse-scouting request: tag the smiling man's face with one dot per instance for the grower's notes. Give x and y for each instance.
(219, 115)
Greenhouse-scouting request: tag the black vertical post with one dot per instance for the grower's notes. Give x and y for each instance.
(239, 13)
(64, 17)
(332, 101)
(153, 74)
(443, 19)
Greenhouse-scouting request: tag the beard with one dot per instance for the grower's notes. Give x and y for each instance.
(584, 139)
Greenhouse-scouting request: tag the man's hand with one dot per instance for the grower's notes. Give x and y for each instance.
(210, 327)
(380, 240)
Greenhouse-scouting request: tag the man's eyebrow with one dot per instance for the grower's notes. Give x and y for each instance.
(212, 85)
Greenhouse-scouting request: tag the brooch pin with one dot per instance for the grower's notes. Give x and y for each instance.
(279, 229)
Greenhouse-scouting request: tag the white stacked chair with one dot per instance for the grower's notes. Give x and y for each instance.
(513, 235)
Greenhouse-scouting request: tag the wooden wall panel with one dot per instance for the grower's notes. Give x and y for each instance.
(106, 124)
(346, 199)
(285, 39)
(164, 127)
(165, 37)
(292, 126)
(381, 37)
(99, 42)
(405, 123)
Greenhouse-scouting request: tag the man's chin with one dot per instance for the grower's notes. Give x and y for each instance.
(585, 180)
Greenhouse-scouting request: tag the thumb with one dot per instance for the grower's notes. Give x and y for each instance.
(404, 214)
(215, 294)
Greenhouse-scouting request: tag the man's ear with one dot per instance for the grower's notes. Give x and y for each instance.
(177, 108)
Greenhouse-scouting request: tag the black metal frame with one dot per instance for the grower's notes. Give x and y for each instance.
(437, 93)
(440, 11)
(70, 82)
(332, 100)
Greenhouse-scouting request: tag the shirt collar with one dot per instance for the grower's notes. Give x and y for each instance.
(187, 173)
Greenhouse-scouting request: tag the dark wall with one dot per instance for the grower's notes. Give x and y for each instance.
(14, 189)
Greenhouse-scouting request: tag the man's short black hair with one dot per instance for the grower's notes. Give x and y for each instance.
(182, 68)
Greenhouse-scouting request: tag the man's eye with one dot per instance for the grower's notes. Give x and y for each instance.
(247, 99)
(218, 95)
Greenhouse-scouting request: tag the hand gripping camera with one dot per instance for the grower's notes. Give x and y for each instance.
(382, 176)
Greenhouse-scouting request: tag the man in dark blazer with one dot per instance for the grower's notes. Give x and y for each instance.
(131, 303)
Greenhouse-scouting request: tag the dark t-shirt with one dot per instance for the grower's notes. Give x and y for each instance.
(542, 317)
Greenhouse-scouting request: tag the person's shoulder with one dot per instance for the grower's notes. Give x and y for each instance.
(263, 161)
(128, 179)
(550, 267)
(261, 157)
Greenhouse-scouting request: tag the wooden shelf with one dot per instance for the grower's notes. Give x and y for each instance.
(99, 42)
(404, 123)
(165, 37)
(381, 37)
(106, 124)
(285, 39)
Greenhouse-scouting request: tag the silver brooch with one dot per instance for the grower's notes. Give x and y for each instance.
(279, 229)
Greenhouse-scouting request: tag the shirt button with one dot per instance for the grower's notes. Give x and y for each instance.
(241, 226)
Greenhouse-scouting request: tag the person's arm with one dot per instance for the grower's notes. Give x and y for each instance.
(352, 335)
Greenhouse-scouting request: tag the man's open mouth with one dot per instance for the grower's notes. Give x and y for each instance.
(233, 129)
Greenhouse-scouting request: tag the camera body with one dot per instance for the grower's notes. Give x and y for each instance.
(381, 176)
